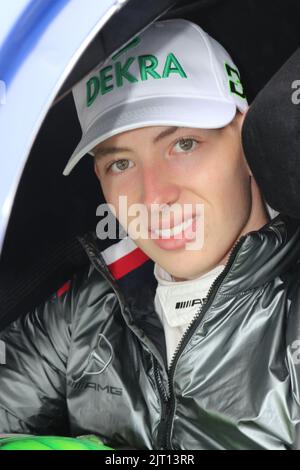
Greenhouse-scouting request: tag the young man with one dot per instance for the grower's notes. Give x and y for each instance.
(157, 346)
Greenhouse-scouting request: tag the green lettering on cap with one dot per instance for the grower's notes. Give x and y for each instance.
(92, 90)
(123, 73)
(172, 65)
(104, 78)
(235, 84)
(124, 49)
(148, 64)
(116, 75)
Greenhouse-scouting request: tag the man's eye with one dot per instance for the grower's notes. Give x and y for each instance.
(119, 166)
(185, 145)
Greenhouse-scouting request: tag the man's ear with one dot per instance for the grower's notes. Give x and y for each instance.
(248, 167)
(96, 170)
(240, 118)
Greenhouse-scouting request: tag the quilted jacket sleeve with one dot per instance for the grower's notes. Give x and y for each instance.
(34, 354)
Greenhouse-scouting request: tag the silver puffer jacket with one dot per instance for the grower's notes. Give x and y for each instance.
(92, 359)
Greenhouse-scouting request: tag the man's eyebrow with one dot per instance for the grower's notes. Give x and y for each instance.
(165, 133)
(105, 151)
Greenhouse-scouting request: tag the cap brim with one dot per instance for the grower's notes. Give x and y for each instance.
(170, 111)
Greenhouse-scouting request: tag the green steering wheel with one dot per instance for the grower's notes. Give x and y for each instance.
(29, 442)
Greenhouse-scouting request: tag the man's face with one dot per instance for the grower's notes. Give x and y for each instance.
(168, 166)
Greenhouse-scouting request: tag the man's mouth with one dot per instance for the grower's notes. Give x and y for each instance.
(174, 231)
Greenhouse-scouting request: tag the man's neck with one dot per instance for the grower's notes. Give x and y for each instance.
(258, 217)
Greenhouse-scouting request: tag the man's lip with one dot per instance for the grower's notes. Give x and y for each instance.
(166, 226)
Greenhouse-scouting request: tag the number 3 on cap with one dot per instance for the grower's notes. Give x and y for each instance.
(235, 81)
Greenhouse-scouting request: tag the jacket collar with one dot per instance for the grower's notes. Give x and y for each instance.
(263, 255)
(259, 257)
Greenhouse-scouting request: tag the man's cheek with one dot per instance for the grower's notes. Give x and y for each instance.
(134, 219)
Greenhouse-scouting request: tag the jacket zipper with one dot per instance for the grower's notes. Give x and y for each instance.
(168, 406)
(164, 400)
(168, 399)
(96, 260)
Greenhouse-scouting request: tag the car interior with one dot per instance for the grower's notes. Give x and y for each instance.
(41, 250)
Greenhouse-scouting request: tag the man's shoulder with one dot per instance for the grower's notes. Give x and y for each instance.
(84, 286)
(88, 280)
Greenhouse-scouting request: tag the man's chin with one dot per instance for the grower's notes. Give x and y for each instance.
(181, 264)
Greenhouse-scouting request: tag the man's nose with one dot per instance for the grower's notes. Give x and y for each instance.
(158, 186)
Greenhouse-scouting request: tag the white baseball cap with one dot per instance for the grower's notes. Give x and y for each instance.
(172, 74)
